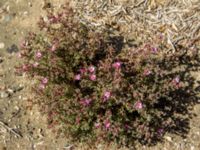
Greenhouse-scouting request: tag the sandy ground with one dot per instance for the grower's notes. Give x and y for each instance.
(22, 127)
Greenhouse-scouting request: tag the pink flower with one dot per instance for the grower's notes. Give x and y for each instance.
(25, 67)
(77, 77)
(107, 124)
(176, 80)
(38, 55)
(41, 86)
(97, 125)
(161, 36)
(44, 81)
(23, 44)
(19, 55)
(127, 126)
(147, 72)
(154, 50)
(54, 47)
(160, 131)
(82, 70)
(106, 95)
(138, 105)
(93, 77)
(91, 69)
(53, 19)
(116, 65)
(86, 102)
(35, 64)
(78, 120)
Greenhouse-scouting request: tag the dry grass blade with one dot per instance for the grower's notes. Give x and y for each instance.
(10, 129)
(181, 18)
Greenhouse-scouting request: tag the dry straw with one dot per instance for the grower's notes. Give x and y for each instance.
(178, 20)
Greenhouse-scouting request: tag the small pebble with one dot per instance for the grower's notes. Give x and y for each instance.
(39, 143)
(3, 94)
(30, 4)
(10, 91)
(17, 88)
(168, 138)
(25, 13)
(4, 109)
(20, 97)
(2, 45)
(24, 98)
(56, 26)
(16, 107)
(192, 148)
(8, 8)
(7, 18)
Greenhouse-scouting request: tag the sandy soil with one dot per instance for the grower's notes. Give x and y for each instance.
(23, 127)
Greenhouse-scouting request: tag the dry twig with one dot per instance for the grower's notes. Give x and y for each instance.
(10, 129)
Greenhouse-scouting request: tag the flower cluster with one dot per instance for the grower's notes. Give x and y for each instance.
(90, 72)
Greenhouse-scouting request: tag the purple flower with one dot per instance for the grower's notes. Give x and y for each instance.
(86, 102)
(35, 64)
(19, 55)
(176, 80)
(91, 69)
(82, 70)
(78, 120)
(38, 55)
(138, 105)
(54, 47)
(41, 86)
(154, 50)
(44, 81)
(107, 124)
(127, 126)
(160, 131)
(93, 77)
(116, 65)
(77, 77)
(97, 125)
(147, 72)
(25, 67)
(106, 95)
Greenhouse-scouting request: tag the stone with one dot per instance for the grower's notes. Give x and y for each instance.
(10, 91)
(25, 13)
(168, 138)
(12, 49)
(3, 94)
(7, 18)
(17, 88)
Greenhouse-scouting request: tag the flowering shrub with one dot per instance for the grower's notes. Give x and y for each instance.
(90, 89)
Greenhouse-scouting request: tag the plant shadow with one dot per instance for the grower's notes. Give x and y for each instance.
(176, 106)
